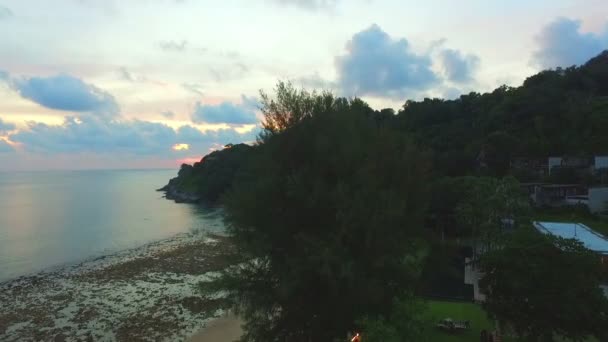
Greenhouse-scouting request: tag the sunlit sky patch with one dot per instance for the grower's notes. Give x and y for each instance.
(164, 81)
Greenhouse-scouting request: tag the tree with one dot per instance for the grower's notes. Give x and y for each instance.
(290, 106)
(542, 286)
(407, 322)
(328, 214)
(491, 207)
(209, 178)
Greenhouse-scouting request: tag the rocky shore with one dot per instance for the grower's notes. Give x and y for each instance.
(146, 294)
(173, 193)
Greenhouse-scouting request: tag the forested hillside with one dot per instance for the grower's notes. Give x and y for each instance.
(555, 112)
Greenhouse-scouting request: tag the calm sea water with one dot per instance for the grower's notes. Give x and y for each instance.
(54, 218)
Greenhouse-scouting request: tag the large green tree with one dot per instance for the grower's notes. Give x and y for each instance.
(328, 215)
(489, 208)
(542, 287)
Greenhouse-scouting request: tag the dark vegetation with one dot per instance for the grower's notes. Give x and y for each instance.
(544, 287)
(555, 112)
(208, 179)
(347, 215)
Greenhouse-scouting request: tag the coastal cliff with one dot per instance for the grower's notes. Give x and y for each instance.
(207, 180)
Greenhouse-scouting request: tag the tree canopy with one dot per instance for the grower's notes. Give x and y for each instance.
(329, 213)
(555, 112)
(209, 178)
(544, 286)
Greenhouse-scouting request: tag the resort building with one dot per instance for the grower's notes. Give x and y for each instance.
(559, 195)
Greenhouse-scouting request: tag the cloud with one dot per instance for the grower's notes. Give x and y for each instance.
(457, 67)
(194, 137)
(5, 147)
(229, 72)
(5, 127)
(65, 92)
(225, 112)
(562, 44)
(172, 45)
(375, 64)
(250, 102)
(126, 75)
(94, 135)
(168, 114)
(5, 12)
(309, 5)
(134, 137)
(193, 87)
(451, 93)
(315, 81)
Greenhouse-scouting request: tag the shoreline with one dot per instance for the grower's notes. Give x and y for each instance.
(148, 292)
(224, 329)
(95, 260)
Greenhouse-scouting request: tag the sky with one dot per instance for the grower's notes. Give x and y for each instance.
(90, 84)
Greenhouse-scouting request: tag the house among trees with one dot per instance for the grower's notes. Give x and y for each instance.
(566, 181)
(560, 195)
(580, 166)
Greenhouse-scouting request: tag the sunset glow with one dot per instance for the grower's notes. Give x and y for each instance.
(188, 78)
(181, 147)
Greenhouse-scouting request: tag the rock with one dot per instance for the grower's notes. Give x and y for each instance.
(59, 338)
(179, 196)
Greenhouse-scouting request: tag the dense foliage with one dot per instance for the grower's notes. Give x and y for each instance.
(555, 112)
(329, 211)
(209, 178)
(542, 286)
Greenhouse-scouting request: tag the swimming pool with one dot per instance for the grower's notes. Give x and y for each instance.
(571, 230)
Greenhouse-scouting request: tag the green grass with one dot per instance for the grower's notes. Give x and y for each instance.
(458, 311)
(461, 311)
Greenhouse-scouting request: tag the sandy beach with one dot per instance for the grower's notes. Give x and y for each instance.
(150, 293)
(224, 329)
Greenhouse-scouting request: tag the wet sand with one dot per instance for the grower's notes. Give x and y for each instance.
(149, 293)
(224, 329)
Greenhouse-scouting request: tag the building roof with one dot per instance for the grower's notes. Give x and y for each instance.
(571, 230)
(558, 186)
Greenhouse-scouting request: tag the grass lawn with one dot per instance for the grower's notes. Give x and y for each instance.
(464, 311)
(599, 225)
(458, 311)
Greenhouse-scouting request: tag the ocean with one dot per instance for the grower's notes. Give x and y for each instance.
(56, 218)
